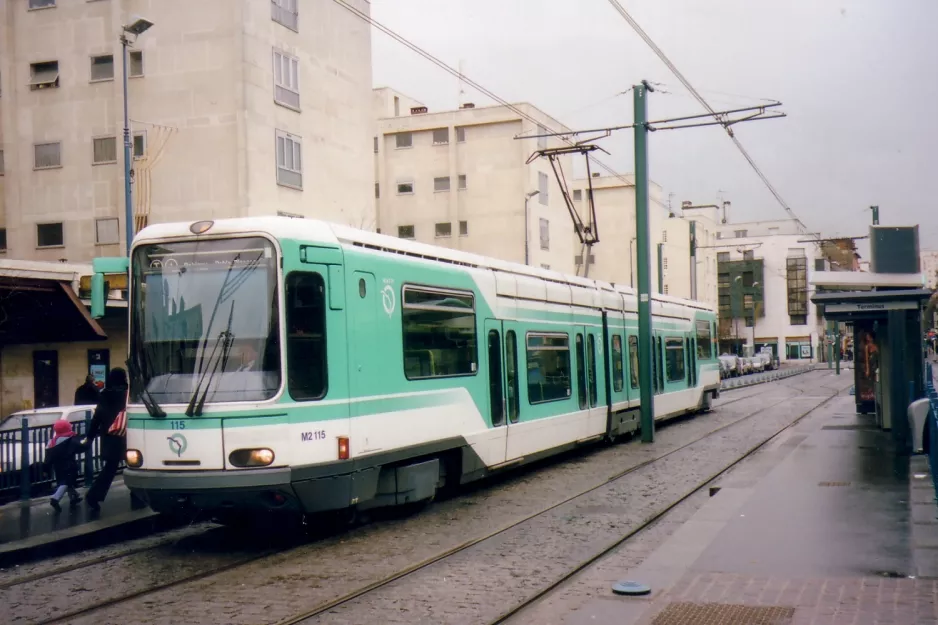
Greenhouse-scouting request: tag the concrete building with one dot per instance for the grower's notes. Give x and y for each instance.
(614, 199)
(238, 108)
(459, 179)
(764, 300)
(930, 269)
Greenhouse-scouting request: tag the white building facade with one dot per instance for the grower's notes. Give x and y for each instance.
(460, 179)
(237, 107)
(764, 269)
(930, 269)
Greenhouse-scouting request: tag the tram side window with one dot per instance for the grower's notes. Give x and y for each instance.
(439, 333)
(548, 357)
(704, 343)
(617, 364)
(511, 373)
(674, 354)
(306, 336)
(633, 361)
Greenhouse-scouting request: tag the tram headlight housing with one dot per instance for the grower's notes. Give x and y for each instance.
(251, 457)
(134, 458)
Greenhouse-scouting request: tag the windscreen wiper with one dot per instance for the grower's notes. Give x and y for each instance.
(149, 402)
(212, 363)
(223, 361)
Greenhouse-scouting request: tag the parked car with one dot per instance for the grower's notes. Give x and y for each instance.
(768, 357)
(757, 363)
(745, 365)
(11, 427)
(732, 364)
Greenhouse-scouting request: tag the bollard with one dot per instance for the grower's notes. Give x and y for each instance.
(24, 460)
(89, 455)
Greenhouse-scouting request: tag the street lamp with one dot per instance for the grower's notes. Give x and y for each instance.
(527, 227)
(136, 28)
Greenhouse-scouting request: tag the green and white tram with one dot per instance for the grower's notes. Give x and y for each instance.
(295, 365)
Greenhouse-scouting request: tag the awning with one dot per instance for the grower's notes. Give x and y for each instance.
(43, 311)
(853, 305)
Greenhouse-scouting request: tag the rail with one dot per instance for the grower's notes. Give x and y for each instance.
(931, 444)
(37, 479)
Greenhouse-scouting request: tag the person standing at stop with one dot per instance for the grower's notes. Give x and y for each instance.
(110, 423)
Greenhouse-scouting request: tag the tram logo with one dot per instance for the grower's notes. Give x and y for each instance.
(388, 300)
(177, 444)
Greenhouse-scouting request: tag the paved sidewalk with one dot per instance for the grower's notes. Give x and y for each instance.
(826, 526)
(33, 529)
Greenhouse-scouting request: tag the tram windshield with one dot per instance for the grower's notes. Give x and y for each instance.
(205, 326)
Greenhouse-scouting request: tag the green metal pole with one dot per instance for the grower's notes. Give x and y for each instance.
(661, 268)
(642, 233)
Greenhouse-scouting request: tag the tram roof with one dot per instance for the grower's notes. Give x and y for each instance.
(325, 232)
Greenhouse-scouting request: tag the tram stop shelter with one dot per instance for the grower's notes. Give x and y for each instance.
(885, 313)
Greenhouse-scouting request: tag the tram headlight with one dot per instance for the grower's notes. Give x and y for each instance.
(251, 457)
(134, 458)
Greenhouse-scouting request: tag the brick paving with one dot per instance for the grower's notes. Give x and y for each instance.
(830, 601)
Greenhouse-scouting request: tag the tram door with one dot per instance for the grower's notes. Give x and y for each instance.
(503, 390)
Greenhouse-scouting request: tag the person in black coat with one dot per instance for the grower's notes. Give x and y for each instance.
(112, 401)
(60, 455)
(87, 393)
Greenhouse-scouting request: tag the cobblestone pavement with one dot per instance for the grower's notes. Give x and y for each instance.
(288, 583)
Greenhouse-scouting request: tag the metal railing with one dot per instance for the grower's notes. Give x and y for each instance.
(932, 424)
(750, 379)
(22, 469)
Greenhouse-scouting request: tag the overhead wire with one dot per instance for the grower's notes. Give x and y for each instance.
(677, 73)
(459, 75)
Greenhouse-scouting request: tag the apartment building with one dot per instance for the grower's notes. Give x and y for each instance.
(460, 179)
(614, 258)
(930, 269)
(237, 108)
(764, 299)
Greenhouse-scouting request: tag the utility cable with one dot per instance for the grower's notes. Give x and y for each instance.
(456, 73)
(674, 70)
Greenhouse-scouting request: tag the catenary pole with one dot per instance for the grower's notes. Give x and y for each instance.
(640, 99)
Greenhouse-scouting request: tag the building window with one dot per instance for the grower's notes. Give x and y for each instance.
(548, 367)
(799, 320)
(284, 12)
(50, 235)
(441, 136)
(542, 187)
(666, 289)
(2, 166)
(541, 141)
(44, 75)
(545, 234)
(750, 321)
(704, 340)
(462, 182)
(377, 190)
(41, 4)
(723, 257)
(463, 228)
(47, 155)
(405, 232)
(287, 81)
(664, 236)
(664, 262)
(405, 188)
(444, 230)
(136, 64)
(545, 266)
(102, 67)
(3, 239)
(107, 231)
(747, 302)
(749, 255)
(441, 184)
(140, 144)
(577, 195)
(105, 150)
(404, 140)
(439, 333)
(741, 234)
(460, 135)
(289, 160)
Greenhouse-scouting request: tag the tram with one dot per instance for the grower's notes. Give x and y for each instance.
(282, 364)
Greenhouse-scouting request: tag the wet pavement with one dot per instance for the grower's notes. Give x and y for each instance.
(828, 525)
(33, 529)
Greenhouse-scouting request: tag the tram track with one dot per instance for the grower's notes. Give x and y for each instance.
(209, 572)
(448, 553)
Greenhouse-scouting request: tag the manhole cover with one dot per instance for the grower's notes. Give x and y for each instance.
(631, 588)
(833, 483)
(723, 614)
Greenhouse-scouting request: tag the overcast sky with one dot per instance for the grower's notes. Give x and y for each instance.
(857, 78)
